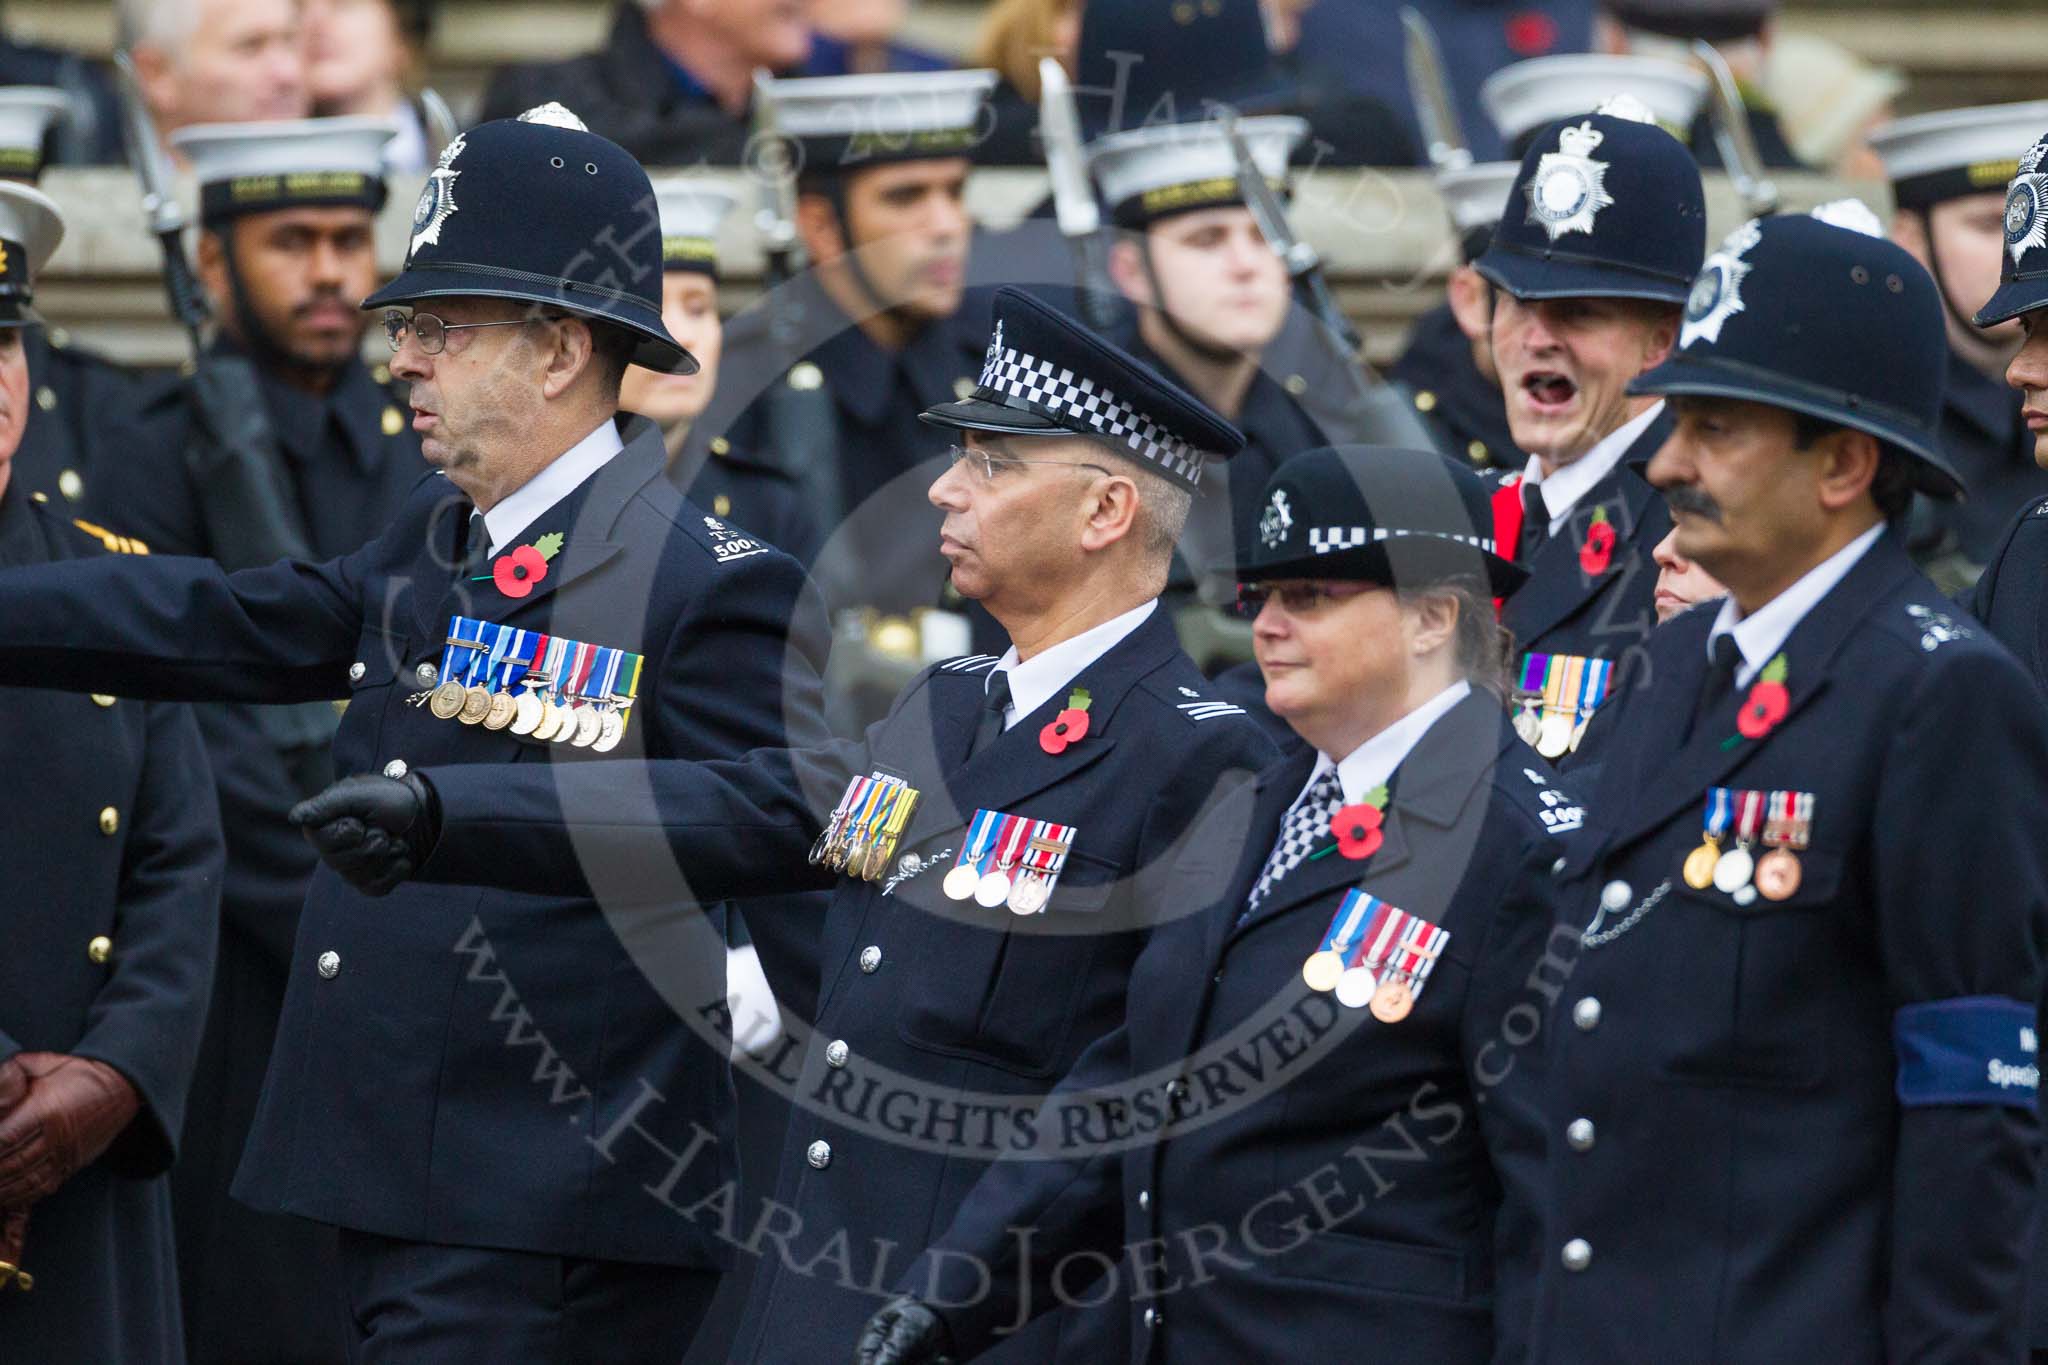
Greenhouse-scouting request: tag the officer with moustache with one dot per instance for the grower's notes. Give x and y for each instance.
(1370, 926)
(78, 393)
(287, 250)
(113, 854)
(445, 1061)
(1591, 266)
(1948, 173)
(984, 844)
(1793, 1091)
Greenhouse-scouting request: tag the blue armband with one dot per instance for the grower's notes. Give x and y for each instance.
(1979, 1049)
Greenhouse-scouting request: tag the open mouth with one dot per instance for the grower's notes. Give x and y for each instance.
(1549, 391)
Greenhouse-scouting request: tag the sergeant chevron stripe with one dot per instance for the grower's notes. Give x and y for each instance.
(1209, 710)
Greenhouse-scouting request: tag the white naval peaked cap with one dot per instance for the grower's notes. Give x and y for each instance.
(1933, 157)
(1147, 173)
(886, 116)
(27, 113)
(692, 211)
(1536, 93)
(31, 225)
(254, 167)
(1477, 195)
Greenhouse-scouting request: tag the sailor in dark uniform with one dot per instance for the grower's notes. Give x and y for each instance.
(288, 445)
(78, 393)
(1793, 1092)
(750, 490)
(1448, 366)
(458, 1076)
(1948, 173)
(112, 848)
(1527, 97)
(981, 935)
(1364, 984)
(1605, 229)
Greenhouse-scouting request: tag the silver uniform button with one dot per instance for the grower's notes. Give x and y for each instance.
(395, 768)
(1616, 896)
(870, 959)
(356, 671)
(1557, 867)
(427, 674)
(1153, 1317)
(1586, 1014)
(819, 1154)
(330, 964)
(836, 1052)
(1578, 1254)
(1144, 1199)
(1579, 1133)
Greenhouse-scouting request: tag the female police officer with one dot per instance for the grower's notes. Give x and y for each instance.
(1320, 1112)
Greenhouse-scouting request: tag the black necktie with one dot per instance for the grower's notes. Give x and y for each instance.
(994, 703)
(1535, 522)
(1724, 658)
(476, 548)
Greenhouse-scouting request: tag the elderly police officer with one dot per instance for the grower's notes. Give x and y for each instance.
(1604, 231)
(443, 1063)
(113, 856)
(290, 445)
(1367, 950)
(1795, 1096)
(1948, 172)
(992, 830)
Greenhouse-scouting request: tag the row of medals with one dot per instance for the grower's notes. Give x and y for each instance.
(1025, 895)
(1392, 996)
(1736, 871)
(597, 727)
(1552, 731)
(848, 850)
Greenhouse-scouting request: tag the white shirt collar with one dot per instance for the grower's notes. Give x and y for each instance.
(1762, 633)
(1373, 762)
(1049, 670)
(554, 482)
(1562, 490)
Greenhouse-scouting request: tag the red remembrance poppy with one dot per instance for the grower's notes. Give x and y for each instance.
(1762, 709)
(1069, 727)
(1358, 830)
(1598, 551)
(517, 572)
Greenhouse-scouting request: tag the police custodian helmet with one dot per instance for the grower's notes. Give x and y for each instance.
(541, 209)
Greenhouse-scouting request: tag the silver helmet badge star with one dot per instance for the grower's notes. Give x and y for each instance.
(1570, 188)
(2026, 205)
(437, 200)
(1276, 521)
(1717, 290)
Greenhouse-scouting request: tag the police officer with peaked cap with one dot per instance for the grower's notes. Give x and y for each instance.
(1591, 264)
(283, 443)
(939, 998)
(1948, 174)
(445, 1061)
(79, 392)
(1269, 1226)
(2007, 598)
(113, 855)
(1448, 364)
(1794, 1090)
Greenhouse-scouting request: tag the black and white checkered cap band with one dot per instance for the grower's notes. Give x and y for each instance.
(1330, 539)
(1018, 380)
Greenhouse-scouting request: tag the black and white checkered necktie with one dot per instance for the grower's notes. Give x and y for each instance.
(1306, 824)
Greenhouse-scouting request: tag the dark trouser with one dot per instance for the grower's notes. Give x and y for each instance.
(414, 1302)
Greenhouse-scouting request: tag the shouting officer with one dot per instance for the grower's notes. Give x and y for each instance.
(984, 844)
(444, 1062)
(310, 459)
(1604, 231)
(1390, 1162)
(113, 856)
(1792, 1112)
(1948, 174)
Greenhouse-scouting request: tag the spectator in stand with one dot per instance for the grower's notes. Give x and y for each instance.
(858, 38)
(216, 61)
(363, 57)
(674, 82)
(1014, 36)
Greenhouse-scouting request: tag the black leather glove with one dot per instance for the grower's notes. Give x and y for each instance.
(375, 831)
(904, 1332)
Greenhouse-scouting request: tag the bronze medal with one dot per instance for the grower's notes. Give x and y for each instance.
(476, 704)
(504, 710)
(1778, 875)
(1392, 1001)
(447, 700)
